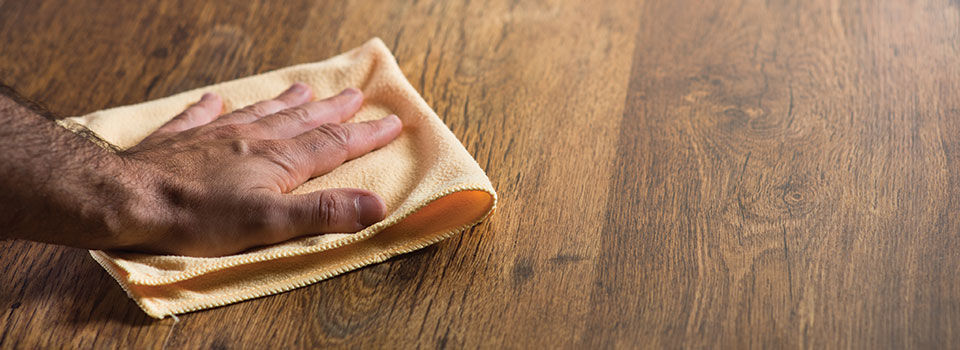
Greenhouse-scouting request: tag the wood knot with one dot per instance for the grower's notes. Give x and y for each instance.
(793, 197)
(765, 123)
(753, 120)
(736, 114)
(797, 198)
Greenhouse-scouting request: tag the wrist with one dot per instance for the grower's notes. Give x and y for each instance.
(141, 206)
(106, 197)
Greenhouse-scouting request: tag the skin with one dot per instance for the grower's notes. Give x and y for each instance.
(204, 184)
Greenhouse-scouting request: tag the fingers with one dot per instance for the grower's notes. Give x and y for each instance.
(326, 147)
(334, 210)
(281, 217)
(272, 218)
(200, 113)
(297, 120)
(294, 96)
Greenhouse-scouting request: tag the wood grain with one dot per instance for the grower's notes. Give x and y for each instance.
(672, 174)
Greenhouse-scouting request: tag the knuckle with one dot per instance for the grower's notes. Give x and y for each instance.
(330, 209)
(297, 114)
(279, 153)
(335, 136)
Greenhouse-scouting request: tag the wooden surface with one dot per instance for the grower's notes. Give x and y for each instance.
(683, 173)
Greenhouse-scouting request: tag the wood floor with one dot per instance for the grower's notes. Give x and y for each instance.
(702, 174)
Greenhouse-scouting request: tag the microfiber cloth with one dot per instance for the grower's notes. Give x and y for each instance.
(432, 187)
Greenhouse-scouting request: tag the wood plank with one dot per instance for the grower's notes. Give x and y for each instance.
(785, 179)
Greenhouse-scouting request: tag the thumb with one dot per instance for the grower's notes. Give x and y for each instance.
(336, 210)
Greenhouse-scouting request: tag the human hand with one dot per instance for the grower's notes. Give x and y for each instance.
(217, 184)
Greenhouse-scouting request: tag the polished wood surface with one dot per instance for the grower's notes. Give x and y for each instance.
(684, 173)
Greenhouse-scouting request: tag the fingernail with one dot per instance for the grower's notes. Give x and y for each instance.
(390, 120)
(297, 88)
(349, 91)
(369, 210)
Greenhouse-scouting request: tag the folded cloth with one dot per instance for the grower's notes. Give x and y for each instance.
(432, 187)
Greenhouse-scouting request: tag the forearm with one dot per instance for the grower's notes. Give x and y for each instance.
(55, 186)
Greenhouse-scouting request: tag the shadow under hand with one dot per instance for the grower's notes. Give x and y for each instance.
(43, 284)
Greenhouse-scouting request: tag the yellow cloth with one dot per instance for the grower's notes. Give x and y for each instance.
(433, 188)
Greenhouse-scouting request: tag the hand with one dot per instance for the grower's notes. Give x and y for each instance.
(216, 184)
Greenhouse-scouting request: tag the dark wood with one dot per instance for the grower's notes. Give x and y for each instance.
(681, 173)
